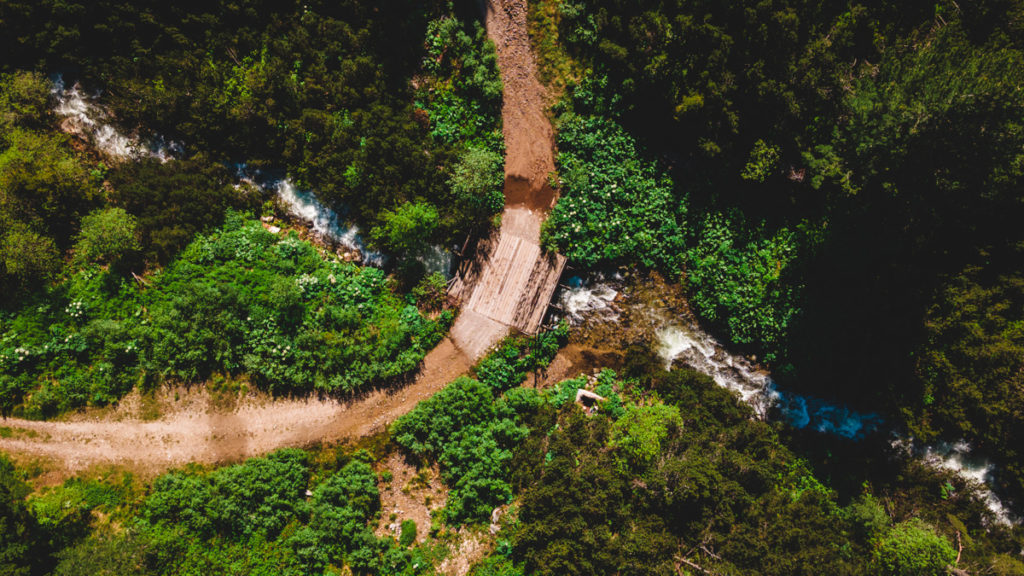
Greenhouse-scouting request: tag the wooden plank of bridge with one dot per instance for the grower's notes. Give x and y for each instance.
(474, 333)
(535, 299)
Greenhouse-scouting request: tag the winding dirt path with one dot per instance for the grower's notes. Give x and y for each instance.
(192, 427)
(195, 429)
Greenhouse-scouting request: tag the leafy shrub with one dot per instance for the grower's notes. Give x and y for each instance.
(638, 434)
(431, 292)
(254, 518)
(183, 500)
(27, 258)
(472, 436)
(24, 100)
(472, 431)
(106, 236)
(258, 497)
(913, 549)
(342, 505)
(463, 102)
(469, 61)
(740, 284)
(408, 534)
(867, 517)
(615, 206)
(455, 118)
(18, 531)
(407, 229)
(515, 358)
(478, 181)
(240, 301)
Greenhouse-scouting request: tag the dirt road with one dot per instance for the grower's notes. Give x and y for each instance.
(192, 428)
(529, 138)
(511, 282)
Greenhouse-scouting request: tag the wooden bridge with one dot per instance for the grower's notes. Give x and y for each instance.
(508, 284)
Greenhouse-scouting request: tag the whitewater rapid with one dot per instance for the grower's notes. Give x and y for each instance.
(303, 204)
(330, 226)
(83, 116)
(681, 340)
(580, 301)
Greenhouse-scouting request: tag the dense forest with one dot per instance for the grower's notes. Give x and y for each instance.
(318, 89)
(835, 187)
(838, 185)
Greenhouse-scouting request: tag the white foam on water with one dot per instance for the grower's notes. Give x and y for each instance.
(303, 204)
(956, 457)
(701, 352)
(581, 302)
(85, 118)
(437, 259)
(680, 340)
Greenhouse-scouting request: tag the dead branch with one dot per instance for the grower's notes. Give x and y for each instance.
(694, 565)
(710, 553)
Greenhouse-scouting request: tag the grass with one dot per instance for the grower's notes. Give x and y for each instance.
(8, 432)
(556, 67)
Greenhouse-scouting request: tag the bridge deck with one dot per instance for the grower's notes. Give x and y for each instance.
(512, 280)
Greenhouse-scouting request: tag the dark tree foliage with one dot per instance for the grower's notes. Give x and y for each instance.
(258, 518)
(971, 367)
(718, 491)
(320, 89)
(933, 143)
(838, 167)
(18, 528)
(257, 497)
(174, 201)
(44, 187)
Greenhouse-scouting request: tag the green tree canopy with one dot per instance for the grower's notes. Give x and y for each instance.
(27, 258)
(107, 235)
(17, 525)
(477, 182)
(913, 548)
(408, 229)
